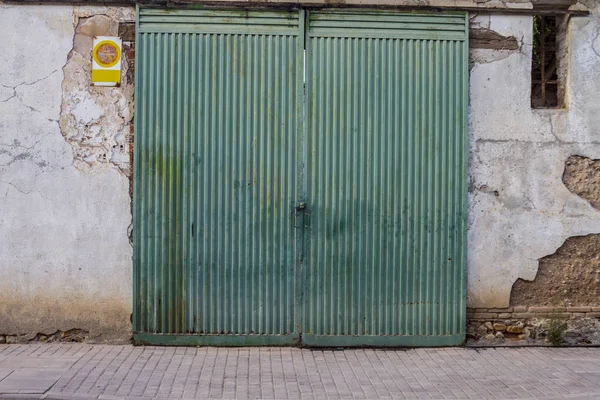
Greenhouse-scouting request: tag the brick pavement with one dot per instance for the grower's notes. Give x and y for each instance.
(80, 371)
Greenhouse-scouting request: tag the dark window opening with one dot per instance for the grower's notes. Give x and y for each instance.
(547, 73)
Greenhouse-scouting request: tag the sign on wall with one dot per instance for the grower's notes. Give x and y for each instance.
(106, 61)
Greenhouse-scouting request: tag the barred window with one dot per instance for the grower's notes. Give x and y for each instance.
(548, 68)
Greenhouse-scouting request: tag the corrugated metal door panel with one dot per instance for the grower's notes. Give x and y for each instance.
(239, 22)
(387, 24)
(217, 120)
(386, 183)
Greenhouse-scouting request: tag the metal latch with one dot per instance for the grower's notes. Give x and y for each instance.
(300, 207)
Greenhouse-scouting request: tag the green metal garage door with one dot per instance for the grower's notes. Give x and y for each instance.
(386, 102)
(218, 112)
(267, 211)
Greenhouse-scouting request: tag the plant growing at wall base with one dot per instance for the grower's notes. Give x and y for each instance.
(556, 329)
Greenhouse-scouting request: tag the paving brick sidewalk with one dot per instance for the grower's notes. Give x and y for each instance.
(78, 371)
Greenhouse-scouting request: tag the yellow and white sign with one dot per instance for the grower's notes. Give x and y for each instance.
(106, 62)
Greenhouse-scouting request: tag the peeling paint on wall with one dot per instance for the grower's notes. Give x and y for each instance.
(520, 154)
(95, 120)
(65, 258)
(569, 277)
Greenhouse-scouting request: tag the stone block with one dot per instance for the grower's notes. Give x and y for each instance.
(501, 310)
(480, 315)
(504, 315)
(514, 329)
(564, 315)
(520, 309)
(522, 315)
(541, 309)
(579, 309)
(593, 315)
(500, 327)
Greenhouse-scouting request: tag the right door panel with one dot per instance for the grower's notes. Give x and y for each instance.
(386, 179)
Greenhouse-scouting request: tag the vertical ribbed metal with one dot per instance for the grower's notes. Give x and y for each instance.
(386, 175)
(218, 112)
(221, 160)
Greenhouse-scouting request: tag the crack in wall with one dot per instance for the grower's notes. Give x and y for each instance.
(17, 188)
(24, 152)
(15, 94)
(29, 83)
(594, 40)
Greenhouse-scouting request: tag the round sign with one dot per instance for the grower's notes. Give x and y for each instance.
(107, 53)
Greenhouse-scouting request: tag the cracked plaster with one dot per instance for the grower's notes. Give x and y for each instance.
(66, 206)
(519, 208)
(63, 228)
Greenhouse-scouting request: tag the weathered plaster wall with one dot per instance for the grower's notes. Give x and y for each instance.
(65, 256)
(519, 208)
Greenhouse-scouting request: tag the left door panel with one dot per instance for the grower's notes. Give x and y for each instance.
(218, 117)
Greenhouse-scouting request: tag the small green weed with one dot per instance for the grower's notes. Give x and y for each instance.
(556, 329)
